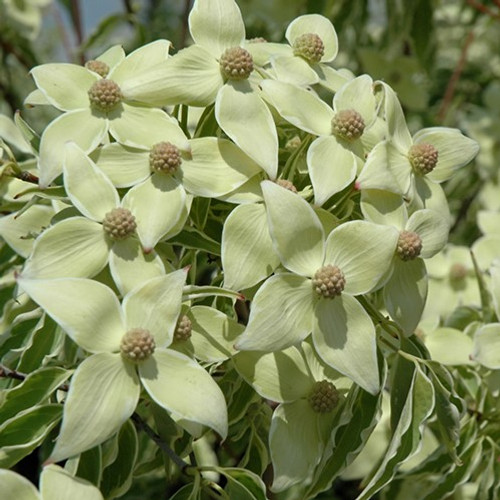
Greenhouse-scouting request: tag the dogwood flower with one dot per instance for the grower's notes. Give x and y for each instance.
(129, 345)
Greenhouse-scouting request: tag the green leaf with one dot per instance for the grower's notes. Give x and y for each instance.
(58, 484)
(117, 477)
(247, 251)
(104, 392)
(194, 239)
(295, 229)
(35, 389)
(88, 465)
(247, 480)
(20, 435)
(16, 486)
(183, 388)
(193, 291)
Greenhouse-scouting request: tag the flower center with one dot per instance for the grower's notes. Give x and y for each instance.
(324, 397)
(458, 272)
(99, 67)
(310, 47)
(348, 124)
(165, 157)
(119, 223)
(236, 63)
(183, 329)
(287, 185)
(423, 157)
(328, 281)
(409, 245)
(105, 95)
(137, 345)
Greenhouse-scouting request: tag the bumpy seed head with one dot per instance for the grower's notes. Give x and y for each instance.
(409, 245)
(99, 67)
(236, 63)
(458, 272)
(183, 329)
(328, 281)
(165, 157)
(423, 157)
(105, 95)
(309, 46)
(324, 397)
(287, 185)
(137, 345)
(119, 223)
(348, 124)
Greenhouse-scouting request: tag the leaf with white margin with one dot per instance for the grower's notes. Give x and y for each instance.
(155, 306)
(281, 315)
(455, 150)
(383, 207)
(57, 484)
(487, 346)
(395, 118)
(357, 94)
(331, 168)
(299, 107)
(103, 394)
(131, 267)
(216, 25)
(213, 334)
(295, 443)
(295, 229)
(295, 70)
(87, 310)
(130, 124)
(166, 196)
(16, 486)
(406, 292)
(183, 388)
(74, 247)
(90, 191)
(363, 251)
(15, 227)
(216, 167)
(345, 339)
(439, 343)
(281, 376)
(248, 255)
(432, 228)
(192, 77)
(139, 61)
(319, 25)
(65, 85)
(68, 127)
(246, 119)
(407, 434)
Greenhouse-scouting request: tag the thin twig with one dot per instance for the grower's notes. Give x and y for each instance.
(14, 374)
(450, 89)
(185, 24)
(484, 9)
(139, 422)
(76, 18)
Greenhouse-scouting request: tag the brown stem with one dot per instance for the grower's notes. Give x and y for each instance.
(77, 25)
(14, 374)
(485, 9)
(185, 24)
(450, 89)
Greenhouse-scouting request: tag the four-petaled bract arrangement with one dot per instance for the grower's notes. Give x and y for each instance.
(227, 247)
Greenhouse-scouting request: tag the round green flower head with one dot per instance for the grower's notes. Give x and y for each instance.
(119, 223)
(409, 245)
(328, 281)
(287, 185)
(165, 157)
(348, 124)
(137, 345)
(99, 67)
(423, 157)
(324, 397)
(310, 47)
(183, 329)
(105, 95)
(236, 63)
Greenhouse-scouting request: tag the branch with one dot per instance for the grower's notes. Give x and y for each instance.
(484, 9)
(6, 372)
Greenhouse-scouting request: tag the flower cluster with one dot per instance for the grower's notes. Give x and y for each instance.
(299, 188)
